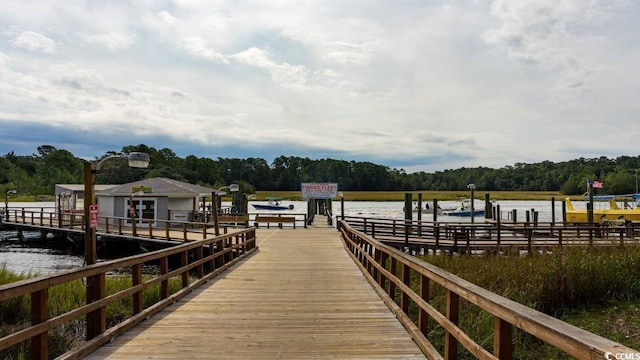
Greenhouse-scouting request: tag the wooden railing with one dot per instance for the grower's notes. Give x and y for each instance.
(466, 237)
(279, 218)
(396, 275)
(198, 262)
(147, 228)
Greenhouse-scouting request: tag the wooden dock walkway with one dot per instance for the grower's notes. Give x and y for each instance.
(299, 297)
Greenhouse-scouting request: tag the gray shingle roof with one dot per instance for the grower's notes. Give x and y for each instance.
(159, 186)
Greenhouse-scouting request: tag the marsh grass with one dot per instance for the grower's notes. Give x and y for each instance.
(15, 314)
(573, 284)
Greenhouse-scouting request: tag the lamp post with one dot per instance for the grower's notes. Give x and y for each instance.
(472, 188)
(6, 202)
(341, 208)
(133, 211)
(214, 204)
(96, 320)
(136, 160)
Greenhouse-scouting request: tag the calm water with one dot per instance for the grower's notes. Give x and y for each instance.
(23, 259)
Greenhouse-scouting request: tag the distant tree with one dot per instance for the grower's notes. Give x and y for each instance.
(44, 150)
(36, 174)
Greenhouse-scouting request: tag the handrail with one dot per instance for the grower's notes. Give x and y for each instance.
(212, 256)
(295, 217)
(164, 229)
(379, 263)
(464, 237)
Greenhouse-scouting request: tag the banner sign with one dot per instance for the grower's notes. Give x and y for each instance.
(93, 216)
(319, 190)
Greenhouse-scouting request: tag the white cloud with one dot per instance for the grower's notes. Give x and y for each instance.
(447, 83)
(113, 40)
(199, 47)
(34, 41)
(554, 37)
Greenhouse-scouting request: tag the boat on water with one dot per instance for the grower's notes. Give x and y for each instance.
(273, 203)
(616, 209)
(464, 210)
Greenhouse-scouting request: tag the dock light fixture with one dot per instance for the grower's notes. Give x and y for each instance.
(214, 203)
(96, 320)
(6, 202)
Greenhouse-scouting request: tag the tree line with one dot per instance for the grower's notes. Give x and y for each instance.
(37, 174)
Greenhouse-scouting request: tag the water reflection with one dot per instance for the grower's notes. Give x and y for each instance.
(22, 259)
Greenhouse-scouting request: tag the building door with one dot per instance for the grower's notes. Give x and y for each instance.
(142, 209)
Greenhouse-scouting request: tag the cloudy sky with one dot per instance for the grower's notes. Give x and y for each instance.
(423, 85)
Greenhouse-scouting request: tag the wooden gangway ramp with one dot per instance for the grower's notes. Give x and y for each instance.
(299, 297)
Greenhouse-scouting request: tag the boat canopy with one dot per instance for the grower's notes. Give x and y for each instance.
(635, 197)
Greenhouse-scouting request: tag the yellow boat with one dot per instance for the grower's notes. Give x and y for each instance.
(616, 209)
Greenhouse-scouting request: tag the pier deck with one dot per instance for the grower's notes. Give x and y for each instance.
(299, 297)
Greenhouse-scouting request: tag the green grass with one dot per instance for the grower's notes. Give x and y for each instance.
(15, 314)
(597, 289)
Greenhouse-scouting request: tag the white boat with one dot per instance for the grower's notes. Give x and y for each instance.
(464, 210)
(273, 204)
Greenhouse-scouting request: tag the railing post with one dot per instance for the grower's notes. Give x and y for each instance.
(39, 314)
(134, 223)
(392, 285)
(200, 268)
(164, 285)
(502, 339)
(212, 252)
(384, 257)
(96, 320)
(376, 273)
(406, 279)
(136, 279)
(452, 313)
(220, 259)
(423, 317)
(184, 261)
(529, 241)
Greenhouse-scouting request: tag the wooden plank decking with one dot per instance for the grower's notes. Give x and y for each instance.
(299, 297)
